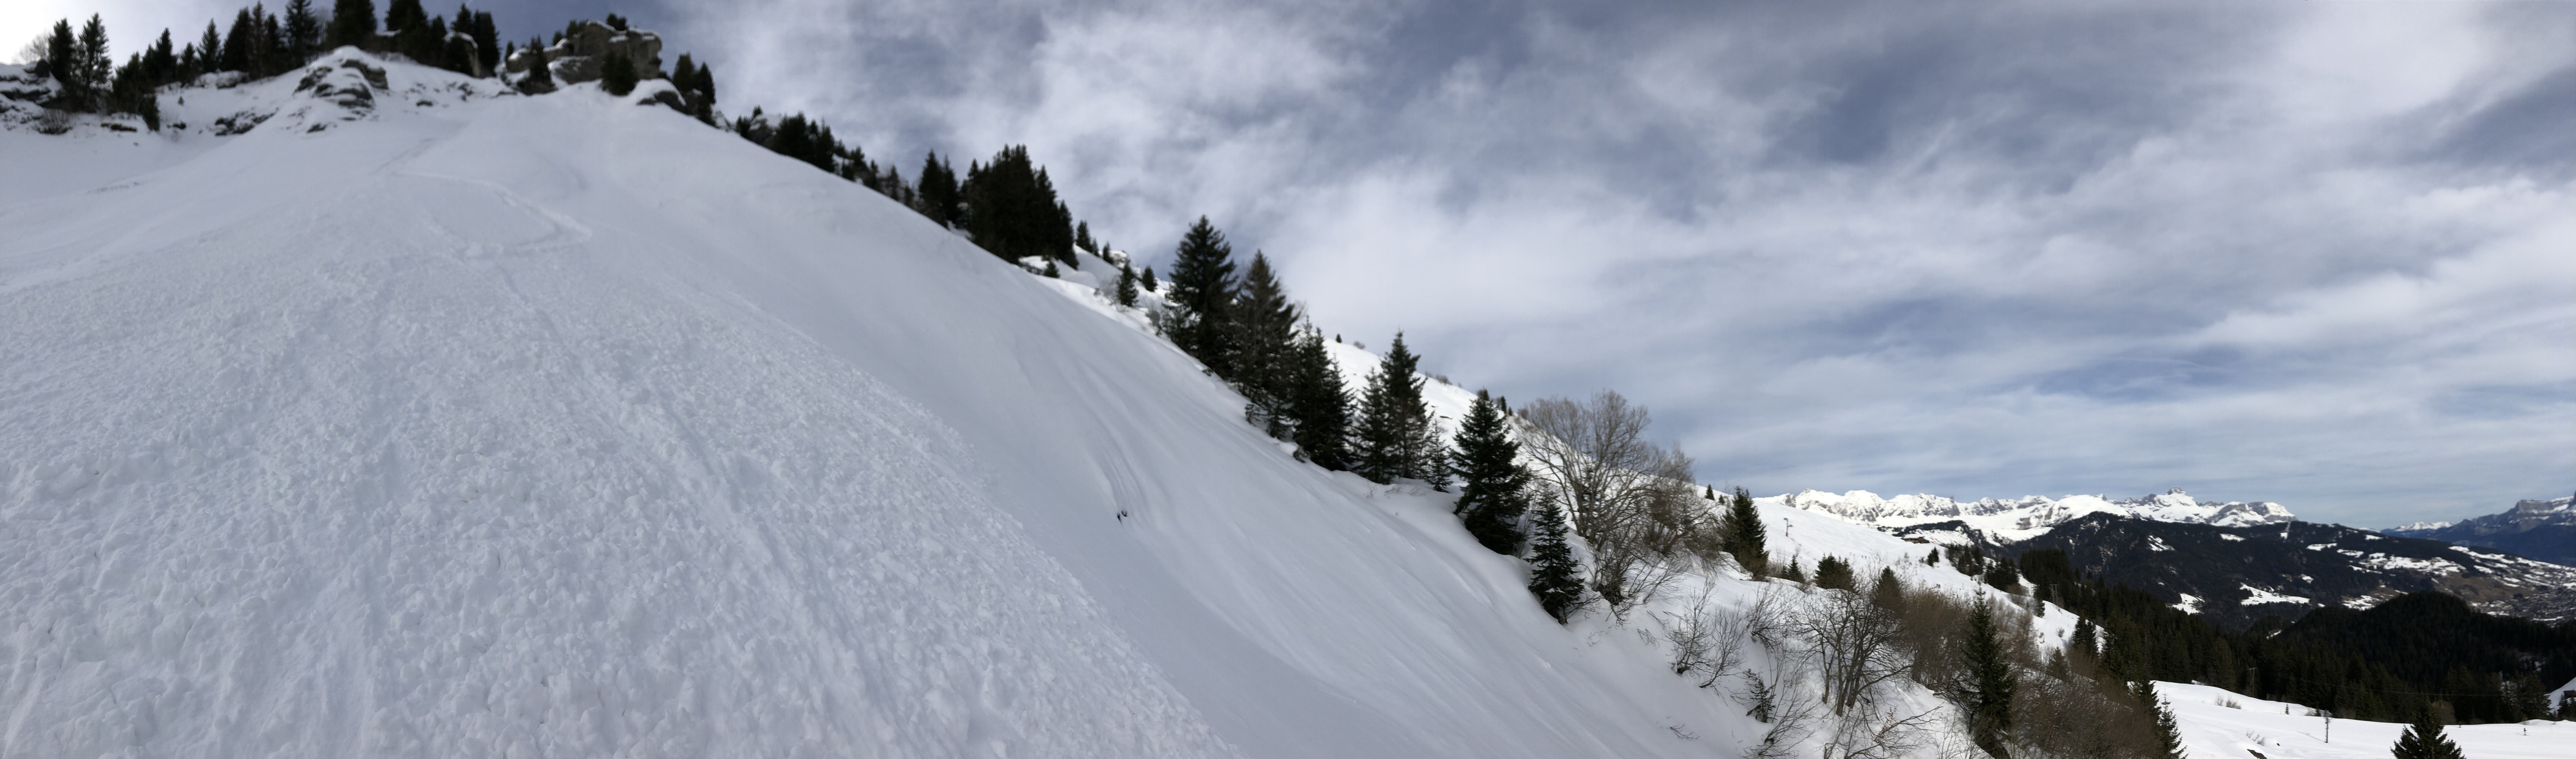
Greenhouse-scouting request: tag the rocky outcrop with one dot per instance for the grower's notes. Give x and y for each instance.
(584, 50)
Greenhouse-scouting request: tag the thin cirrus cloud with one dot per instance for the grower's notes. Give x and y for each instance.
(2316, 253)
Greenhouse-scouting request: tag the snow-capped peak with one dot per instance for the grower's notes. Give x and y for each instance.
(2029, 516)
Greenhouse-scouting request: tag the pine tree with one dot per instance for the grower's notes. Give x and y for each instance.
(210, 51)
(1152, 285)
(160, 65)
(1987, 689)
(1050, 270)
(1493, 488)
(1833, 574)
(1393, 422)
(617, 76)
(541, 74)
(1202, 294)
(405, 15)
(2424, 740)
(303, 34)
(938, 194)
(2168, 734)
(1012, 210)
(1794, 573)
(63, 61)
(1745, 537)
(487, 38)
(242, 44)
(1082, 239)
(353, 23)
(92, 63)
(1555, 578)
(1126, 285)
(1265, 334)
(1321, 405)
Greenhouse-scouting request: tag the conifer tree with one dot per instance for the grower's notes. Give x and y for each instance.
(353, 23)
(242, 43)
(1745, 537)
(1152, 285)
(92, 63)
(1493, 489)
(160, 65)
(1202, 296)
(487, 38)
(303, 33)
(617, 76)
(1265, 336)
(1987, 688)
(1394, 423)
(210, 51)
(1082, 239)
(2161, 718)
(938, 194)
(405, 15)
(1012, 210)
(2424, 740)
(1555, 578)
(541, 74)
(63, 61)
(1795, 573)
(1126, 285)
(1833, 574)
(1319, 402)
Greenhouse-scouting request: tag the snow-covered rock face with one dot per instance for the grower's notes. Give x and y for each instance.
(2030, 515)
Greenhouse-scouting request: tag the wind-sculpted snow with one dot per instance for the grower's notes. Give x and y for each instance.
(558, 426)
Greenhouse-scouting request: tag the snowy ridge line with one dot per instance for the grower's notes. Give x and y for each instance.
(2021, 519)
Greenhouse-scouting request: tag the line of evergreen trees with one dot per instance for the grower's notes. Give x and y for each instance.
(2420, 653)
(258, 44)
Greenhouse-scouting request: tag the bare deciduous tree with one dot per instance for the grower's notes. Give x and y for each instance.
(1631, 500)
(1856, 646)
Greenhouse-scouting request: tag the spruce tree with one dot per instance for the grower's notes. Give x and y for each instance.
(1987, 689)
(1321, 405)
(1555, 578)
(1202, 296)
(1082, 239)
(1153, 285)
(241, 44)
(353, 23)
(1745, 537)
(938, 192)
(541, 74)
(1012, 210)
(63, 61)
(2424, 740)
(1126, 285)
(617, 76)
(94, 65)
(1493, 489)
(487, 38)
(2161, 718)
(1833, 574)
(1394, 422)
(1265, 336)
(303, 34)
(405, 15)
(210, 51)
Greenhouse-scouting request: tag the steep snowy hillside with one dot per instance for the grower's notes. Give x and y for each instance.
(464, 425)
(2216, 723)
(2008, 521)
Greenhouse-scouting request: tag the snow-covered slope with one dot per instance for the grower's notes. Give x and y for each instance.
(2029, 516)
(2216, 723)
(554, 425)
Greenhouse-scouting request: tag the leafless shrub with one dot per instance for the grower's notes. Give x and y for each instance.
(1856, 645)
(1708, 644)
(1632, 501)
(1881, 734)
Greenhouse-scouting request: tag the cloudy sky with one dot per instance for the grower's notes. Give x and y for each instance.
(2320, 253)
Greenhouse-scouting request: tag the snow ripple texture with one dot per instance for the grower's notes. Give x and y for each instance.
(386, 463)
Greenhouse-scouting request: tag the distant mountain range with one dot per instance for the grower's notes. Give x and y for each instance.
(2030, 516)
(2540, 529)
(2237, 562)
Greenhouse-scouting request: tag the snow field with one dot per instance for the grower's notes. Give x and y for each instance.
(2210, 729)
